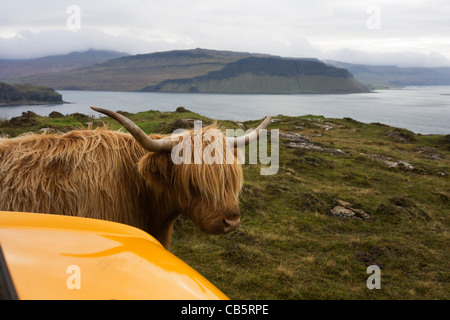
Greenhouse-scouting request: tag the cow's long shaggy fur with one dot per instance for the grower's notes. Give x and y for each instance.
(106, 175)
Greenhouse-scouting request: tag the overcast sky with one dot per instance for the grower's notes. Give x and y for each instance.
(404, 33)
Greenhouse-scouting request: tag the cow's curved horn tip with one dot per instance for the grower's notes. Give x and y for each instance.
(104, 111)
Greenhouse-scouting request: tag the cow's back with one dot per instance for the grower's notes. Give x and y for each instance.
(88, 173)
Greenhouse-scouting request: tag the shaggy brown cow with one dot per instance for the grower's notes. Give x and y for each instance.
(119, 177)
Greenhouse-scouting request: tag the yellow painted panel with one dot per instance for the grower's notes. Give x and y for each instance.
(61, 257)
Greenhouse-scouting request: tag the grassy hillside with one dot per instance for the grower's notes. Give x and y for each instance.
(347, 195)
(267, 75)
(132, 73)
(14, 69)
(202, 70)
(21, 94)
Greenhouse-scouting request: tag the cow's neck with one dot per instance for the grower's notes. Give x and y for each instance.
(160, 220)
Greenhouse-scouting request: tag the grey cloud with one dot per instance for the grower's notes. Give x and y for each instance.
(414, 31)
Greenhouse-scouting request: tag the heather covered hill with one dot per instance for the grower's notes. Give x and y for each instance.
(13, 69)
(201, 70)
(132, 73)
(267, 75)
(21, 94)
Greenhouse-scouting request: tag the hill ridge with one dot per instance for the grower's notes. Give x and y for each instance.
(12, 69)
(211, 70)
(266, 75)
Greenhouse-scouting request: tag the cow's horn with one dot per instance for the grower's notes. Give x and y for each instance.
(160, 145)
(249, 137)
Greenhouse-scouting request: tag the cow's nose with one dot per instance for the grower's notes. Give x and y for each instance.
(231, 224)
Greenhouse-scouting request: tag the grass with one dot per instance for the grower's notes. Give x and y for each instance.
(289, 246)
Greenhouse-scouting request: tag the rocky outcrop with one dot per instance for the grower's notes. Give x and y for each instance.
(297, 141)
(345, 209)
(389, 162)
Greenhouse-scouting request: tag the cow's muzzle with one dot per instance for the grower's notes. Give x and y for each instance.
(231, 224)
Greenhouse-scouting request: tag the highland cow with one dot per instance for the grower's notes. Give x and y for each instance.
(125, 178)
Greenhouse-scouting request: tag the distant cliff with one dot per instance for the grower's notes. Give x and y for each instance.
(21, 94)
(267, 75)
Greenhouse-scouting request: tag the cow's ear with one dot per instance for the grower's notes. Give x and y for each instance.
(155, 168)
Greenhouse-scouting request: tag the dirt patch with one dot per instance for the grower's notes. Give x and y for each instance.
(372, 257)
